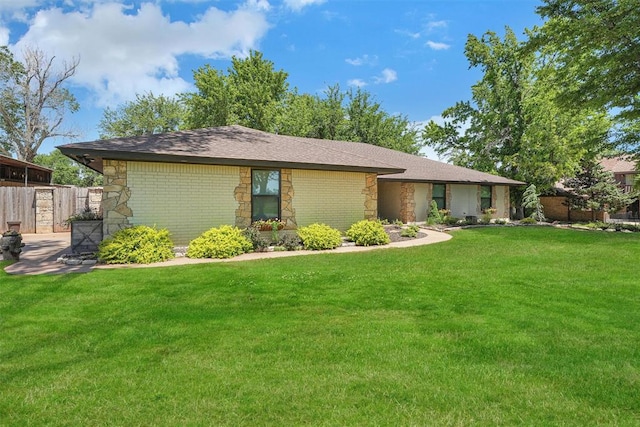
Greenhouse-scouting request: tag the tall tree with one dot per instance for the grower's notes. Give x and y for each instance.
(369, 123)
(251, 94)
(33, 101)
(597, 48)
(512, 126)
(596, 189)
(148, 114)
(68, 172)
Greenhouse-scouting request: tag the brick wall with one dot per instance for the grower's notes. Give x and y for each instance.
(556, 209)
(185, 198)
(335, 198)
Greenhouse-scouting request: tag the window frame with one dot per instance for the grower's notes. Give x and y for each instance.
(277, 197)
(442, 198)
(484, 199)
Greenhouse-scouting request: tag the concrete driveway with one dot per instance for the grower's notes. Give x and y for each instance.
(40, 253)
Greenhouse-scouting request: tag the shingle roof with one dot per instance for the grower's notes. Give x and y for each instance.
(10, 161)
(238, 145)
(421, 169)
(619, 164)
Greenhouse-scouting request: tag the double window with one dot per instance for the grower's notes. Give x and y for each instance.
(439, 194)
(485, 197)
(265, 194)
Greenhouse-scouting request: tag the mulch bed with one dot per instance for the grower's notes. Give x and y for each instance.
(394, 234)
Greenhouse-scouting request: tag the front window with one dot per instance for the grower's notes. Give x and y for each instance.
(265, 194)
(485, 197)
(439, 195)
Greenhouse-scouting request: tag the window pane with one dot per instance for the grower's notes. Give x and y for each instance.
(485, 197)
(485, 191)
(265, 182)
(265, 207)
(438, 190)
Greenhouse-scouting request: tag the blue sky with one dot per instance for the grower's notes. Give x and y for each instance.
(408, 54)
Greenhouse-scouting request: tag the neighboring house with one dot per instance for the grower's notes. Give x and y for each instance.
(557, 207)
(624, 171)
(191, 181)
(17, 173)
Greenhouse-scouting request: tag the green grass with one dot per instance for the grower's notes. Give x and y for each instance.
(498, 326)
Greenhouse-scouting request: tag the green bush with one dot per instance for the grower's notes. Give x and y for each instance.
(368, 233)
(136, 245)
(410, 231)
(319, 236)
(452, 220)
(258, 241)
(528, 220)
(290, 242)
(433, 215)
(223, 242)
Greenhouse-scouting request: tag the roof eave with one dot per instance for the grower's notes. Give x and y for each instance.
(444, 181)
(93, 159)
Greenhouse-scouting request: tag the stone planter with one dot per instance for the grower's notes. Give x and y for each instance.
(86, 235)
(14, 226)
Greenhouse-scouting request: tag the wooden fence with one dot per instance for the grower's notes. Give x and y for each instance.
(45, 209)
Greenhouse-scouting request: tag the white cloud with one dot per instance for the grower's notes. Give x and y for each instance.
(363, 60)
(357, 82)
(262, 5)
(126, 53)
(16, 5)
(4, 36)
(434, 25)
(437, 46)
(408, 34)
(388, 75)
(298, 5)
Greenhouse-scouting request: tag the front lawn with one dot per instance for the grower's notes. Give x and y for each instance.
(498, 326)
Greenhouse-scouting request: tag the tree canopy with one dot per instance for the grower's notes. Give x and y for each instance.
(251, 94)
(33, 101)
(512, 125)
(596, 44)
(148, 114)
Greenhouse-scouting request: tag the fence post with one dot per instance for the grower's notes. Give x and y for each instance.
(44, 210)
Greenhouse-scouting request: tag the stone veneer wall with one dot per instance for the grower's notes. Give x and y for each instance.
(287, 194)
(407, 202)
(371, 196)
(116, 213)
(44, 210)
(242, 194)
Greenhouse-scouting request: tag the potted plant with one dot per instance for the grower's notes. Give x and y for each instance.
(86, 230)
(271, 224)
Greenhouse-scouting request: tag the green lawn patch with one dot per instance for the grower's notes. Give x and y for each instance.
(498, 326)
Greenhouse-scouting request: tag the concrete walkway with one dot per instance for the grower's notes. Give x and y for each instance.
(42, 250)
(40, 253)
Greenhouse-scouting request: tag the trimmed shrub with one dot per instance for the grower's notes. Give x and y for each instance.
(136, 245)
(368, 233)
(410, 231)
(433, 215)
(528, 220)
(223, 242)
(319, 236)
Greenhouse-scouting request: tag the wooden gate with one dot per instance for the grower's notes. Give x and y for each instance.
(18, 204)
